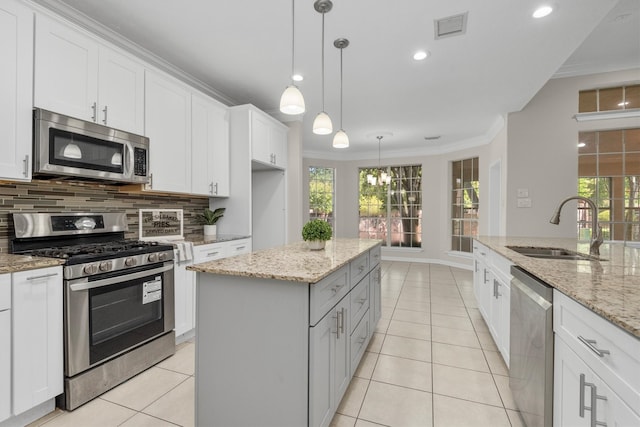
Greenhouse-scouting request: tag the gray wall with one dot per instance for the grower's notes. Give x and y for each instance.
(543, 153)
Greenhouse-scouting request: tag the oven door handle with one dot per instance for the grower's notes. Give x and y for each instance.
(119, 279)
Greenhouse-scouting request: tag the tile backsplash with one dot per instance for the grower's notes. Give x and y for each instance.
(68, 196)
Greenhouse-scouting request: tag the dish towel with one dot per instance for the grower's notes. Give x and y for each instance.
(184, 251)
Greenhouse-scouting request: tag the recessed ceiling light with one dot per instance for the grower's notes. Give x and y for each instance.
(297, 77)
(420, 55)
(543, 11)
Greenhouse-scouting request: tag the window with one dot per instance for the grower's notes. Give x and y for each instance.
(392, 211)
(465, 199)
(609, 99)
(321, 184)
(609, 174)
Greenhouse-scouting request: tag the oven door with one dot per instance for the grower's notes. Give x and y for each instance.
(109, 314)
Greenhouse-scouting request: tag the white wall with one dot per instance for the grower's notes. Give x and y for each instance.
(295, 174)
(543, 154)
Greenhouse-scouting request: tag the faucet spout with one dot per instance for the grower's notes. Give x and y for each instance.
(596, 229)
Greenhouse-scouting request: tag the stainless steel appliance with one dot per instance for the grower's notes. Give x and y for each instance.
(118, 297)
(531, 348)
(65, 146)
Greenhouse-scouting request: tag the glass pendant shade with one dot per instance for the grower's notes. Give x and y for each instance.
(340, 139)
(322, 124)
(292, 101)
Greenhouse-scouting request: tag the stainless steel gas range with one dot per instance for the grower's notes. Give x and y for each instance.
(118, 297)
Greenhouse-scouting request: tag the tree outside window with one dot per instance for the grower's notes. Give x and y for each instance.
(465, 201)
(321, 193)
(392, 211)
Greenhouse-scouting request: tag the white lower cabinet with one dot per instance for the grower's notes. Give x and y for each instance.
(5, 346)
(37, 337)
(329, 374)
(492, 289)
(581, 397)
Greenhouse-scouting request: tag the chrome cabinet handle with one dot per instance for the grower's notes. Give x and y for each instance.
(337, 317)
(105, 115)
(25, 164)
(213, 253)
(591, 344)
(215, 188)
(151, 180)
(496, 292)
(211, 188)
(594, 397)
(239, 248)
(94, 115)
(476, 266)
(485, 276)
(342, 313)
(44, 276)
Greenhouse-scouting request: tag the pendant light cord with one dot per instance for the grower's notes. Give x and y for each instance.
(293, 37)
(341, 88)
(322, 48)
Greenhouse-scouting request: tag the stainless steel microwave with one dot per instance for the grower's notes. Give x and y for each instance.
(69, 147)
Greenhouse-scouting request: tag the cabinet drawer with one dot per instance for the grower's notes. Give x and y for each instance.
(612, 353)
(359, 268)
(326, 293)
(203, 253)
(238, 247)
(5, 291)
(359, 341)
(374, 256)
(359, 303)
(480, 251)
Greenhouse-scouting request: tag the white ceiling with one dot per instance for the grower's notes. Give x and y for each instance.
(242, 49)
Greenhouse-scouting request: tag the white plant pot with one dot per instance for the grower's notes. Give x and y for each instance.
(316, 245)
(210, 230)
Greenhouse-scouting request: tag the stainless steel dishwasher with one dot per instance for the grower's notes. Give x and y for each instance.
(531, 348)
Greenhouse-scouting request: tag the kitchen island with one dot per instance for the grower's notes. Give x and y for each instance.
(281, 331)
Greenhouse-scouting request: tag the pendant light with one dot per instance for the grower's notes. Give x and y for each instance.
(292, 101)
(340, 139)
(322, 124)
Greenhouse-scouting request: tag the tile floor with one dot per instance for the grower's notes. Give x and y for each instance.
(431, 362)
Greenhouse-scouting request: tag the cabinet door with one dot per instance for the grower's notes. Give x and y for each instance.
(168, 126)
(329, 367)
(184, 298)
(505, 320)
(16, 51)
(210, 147)
(260, 145)
(66, 70)
(278, 144)
(120, 92)
(37, 337)
(5, 364)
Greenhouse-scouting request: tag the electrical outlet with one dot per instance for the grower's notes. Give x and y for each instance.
(523, 192)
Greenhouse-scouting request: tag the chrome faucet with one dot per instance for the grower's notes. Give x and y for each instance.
(596, 229)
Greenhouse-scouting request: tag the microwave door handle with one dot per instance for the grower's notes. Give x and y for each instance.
(128, 160)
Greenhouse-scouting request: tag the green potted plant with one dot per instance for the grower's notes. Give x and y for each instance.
(316, 232)
(209, 219)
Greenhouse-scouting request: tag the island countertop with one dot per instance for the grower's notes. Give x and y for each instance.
(609, 286)
(293, 262)
(10, 263)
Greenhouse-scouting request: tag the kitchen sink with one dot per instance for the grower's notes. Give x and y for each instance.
(551, 253)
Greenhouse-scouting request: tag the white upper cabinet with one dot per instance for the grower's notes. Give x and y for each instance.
(77, 76)
(16, 71)
(268, 140)
(210, 147)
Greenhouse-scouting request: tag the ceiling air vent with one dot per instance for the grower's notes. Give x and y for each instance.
(451, 26)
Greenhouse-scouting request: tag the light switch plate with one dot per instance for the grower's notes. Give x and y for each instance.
(524, 203)
(523, 192)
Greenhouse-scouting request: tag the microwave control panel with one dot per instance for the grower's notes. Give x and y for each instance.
(139, 161)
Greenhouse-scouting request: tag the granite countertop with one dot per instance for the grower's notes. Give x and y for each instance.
(294, 262)
(10, 263)
(201, 239)
(609, 286)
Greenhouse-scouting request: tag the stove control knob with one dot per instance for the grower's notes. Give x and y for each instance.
(106, 265)
(130, 262)
(91, 268)
(162, 256)
(153, 258)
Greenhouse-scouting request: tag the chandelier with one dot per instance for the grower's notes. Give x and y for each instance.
(382, 176)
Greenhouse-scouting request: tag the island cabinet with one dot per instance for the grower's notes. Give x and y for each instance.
(278, 351)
